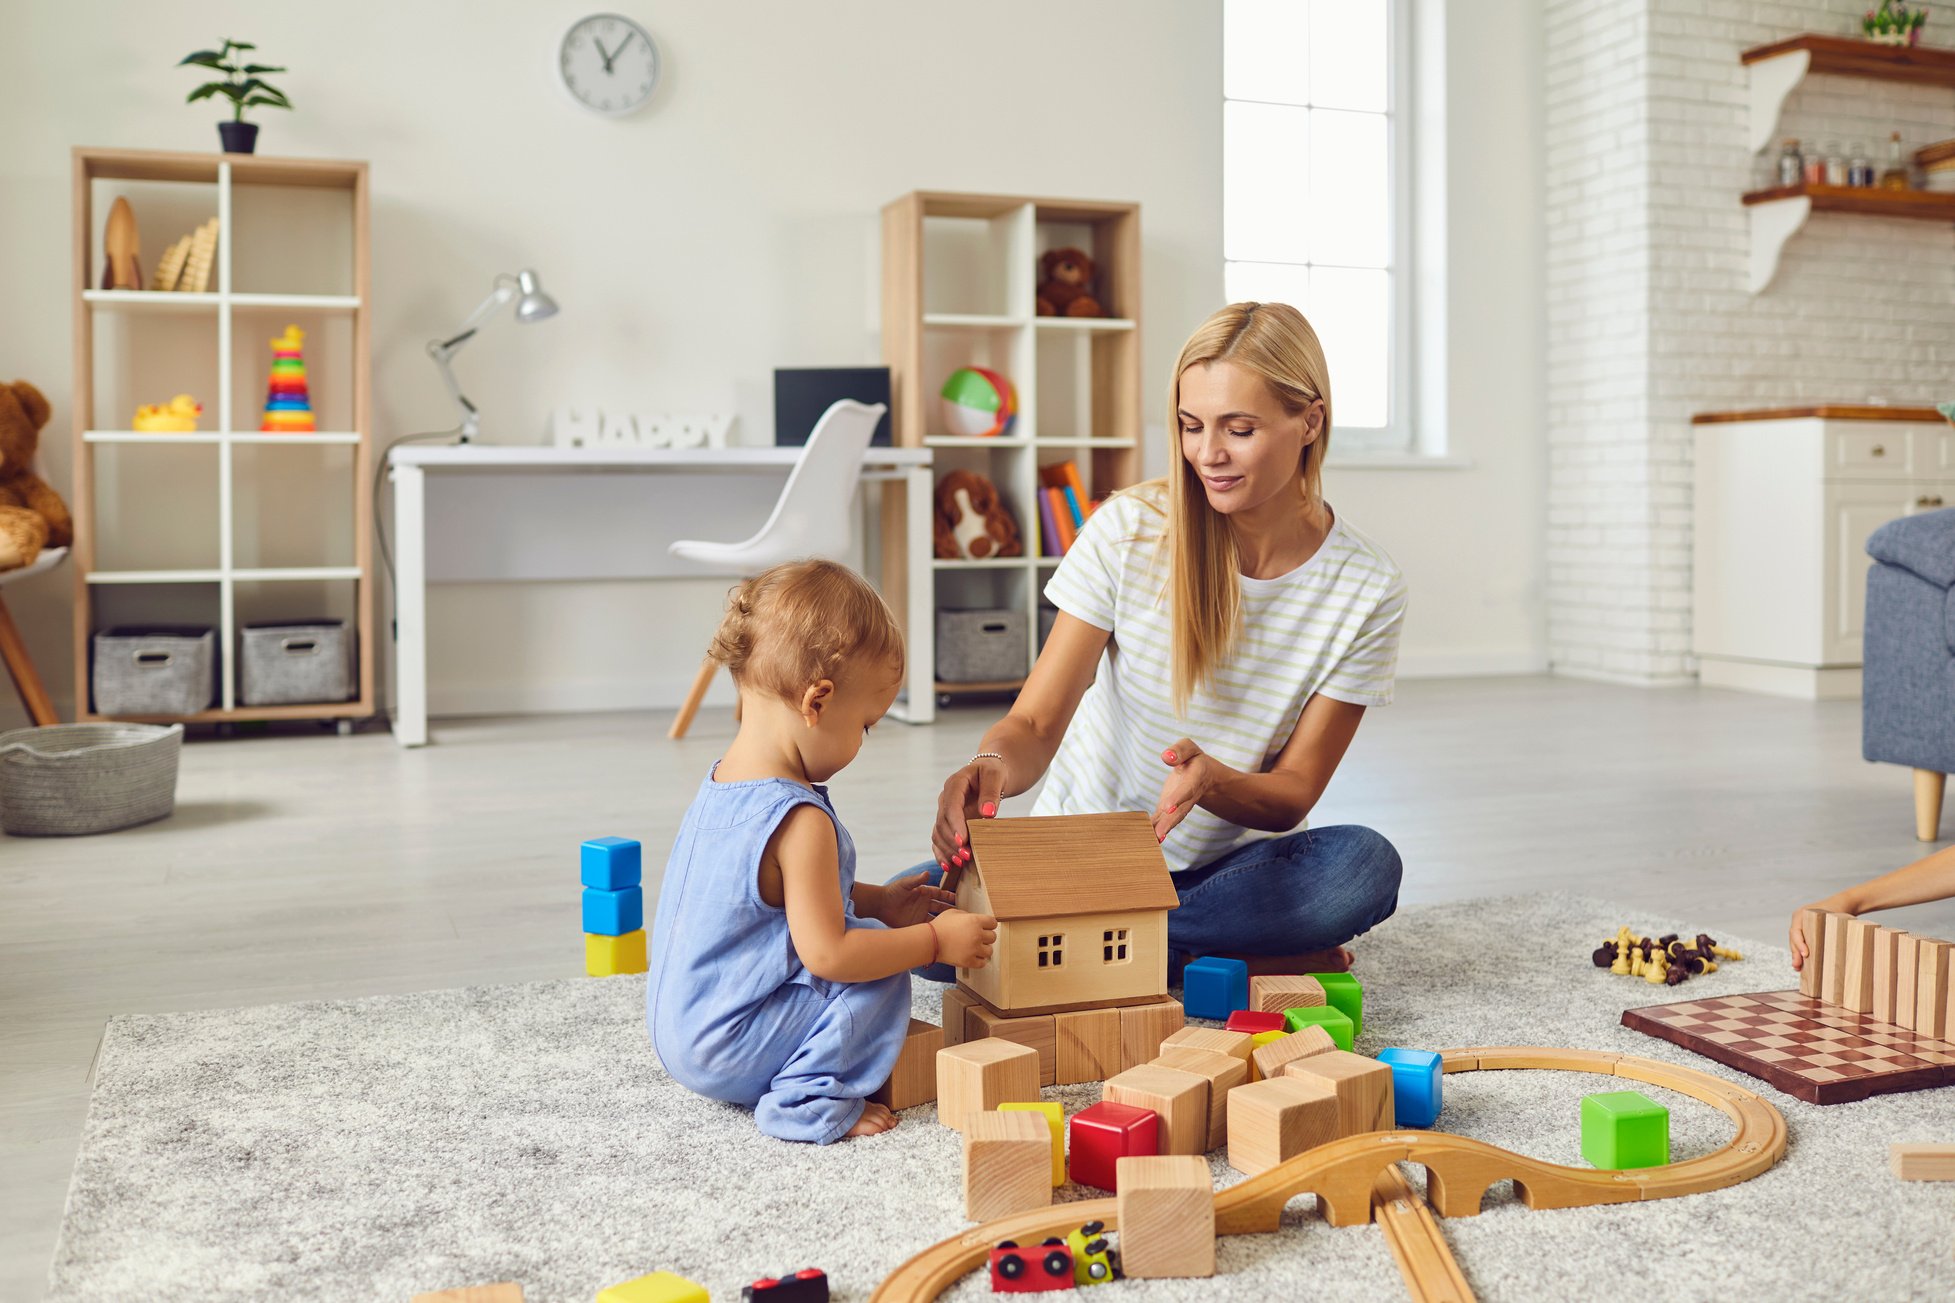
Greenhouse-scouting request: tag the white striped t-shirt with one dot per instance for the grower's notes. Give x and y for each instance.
(1330, 626)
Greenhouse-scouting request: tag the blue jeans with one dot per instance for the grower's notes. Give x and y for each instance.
(1307, 890)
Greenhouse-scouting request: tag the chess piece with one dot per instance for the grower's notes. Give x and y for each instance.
(1635, 963)
(1605, 954)
(1656, 970)
(1621, 967)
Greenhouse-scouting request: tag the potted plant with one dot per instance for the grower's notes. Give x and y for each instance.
(242, 85)
(1894, 24)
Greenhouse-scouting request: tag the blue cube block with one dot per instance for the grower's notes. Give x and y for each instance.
(1416, 1078)
(612, 863)
(614, 913)
(1212, 987)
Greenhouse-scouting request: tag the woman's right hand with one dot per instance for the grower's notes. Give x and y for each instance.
(973, 792)
(964, 940)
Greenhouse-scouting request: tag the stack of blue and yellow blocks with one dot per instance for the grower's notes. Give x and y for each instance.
(614, 906)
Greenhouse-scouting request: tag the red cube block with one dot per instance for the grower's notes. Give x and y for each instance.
(1254, 1021)
(1106, 1133)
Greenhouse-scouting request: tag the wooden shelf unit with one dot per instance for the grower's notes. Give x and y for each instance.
(223, 315)
(960, 273)
(1869, 201)
(1847, 56)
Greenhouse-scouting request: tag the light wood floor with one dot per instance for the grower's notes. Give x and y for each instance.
(314, 866)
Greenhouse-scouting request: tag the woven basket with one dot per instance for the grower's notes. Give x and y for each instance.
(67, 780)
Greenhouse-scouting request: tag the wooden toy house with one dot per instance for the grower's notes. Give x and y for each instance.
(1082, 905)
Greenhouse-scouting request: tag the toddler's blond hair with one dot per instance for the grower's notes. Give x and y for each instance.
(800, 622)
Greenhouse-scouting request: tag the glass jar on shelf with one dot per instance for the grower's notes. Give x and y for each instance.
(1894, 176)
(1814, 164)
(1791, 167)
(1835, 164)
(1859, 167)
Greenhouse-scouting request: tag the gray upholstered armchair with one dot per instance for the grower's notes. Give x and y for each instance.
(1908, 699)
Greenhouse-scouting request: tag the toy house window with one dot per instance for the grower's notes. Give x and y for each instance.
(1052, 952)
(1113, 946)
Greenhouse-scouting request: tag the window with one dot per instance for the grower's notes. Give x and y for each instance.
(1313, 188)
(1113, 946)
(1052, 952)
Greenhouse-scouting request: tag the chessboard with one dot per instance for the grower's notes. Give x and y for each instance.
(1820, 1053)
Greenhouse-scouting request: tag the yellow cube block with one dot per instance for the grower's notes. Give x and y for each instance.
(1055, 1116)
(659, 1287)
(609, 956)
(1257, 1042)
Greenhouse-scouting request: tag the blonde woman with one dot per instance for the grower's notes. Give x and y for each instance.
(1220, 634)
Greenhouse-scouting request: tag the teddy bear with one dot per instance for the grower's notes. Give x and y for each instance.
(971, 522)
(32, 515)
(1066, 285)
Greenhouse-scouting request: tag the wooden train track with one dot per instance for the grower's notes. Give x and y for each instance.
(1344, 1175)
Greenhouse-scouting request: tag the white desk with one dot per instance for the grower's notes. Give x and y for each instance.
(410, 464)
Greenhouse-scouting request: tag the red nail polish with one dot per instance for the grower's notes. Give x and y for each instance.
(990, 808)
(960, 839)
(1168, 756)
(1171, 809)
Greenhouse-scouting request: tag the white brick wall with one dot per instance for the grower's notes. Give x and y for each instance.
(1648, 316)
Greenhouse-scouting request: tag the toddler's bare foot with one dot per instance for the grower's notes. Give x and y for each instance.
(1337, 959)
(875, 1118)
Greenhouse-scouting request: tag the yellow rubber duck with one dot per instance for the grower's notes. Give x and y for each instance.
(178, 416)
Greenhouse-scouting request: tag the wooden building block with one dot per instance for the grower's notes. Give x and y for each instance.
(1007, 1165)
(1275, 993)
(1363, 1088)
(977, 1076)
(1887, 944)
(507, 1292)
(1833, 977)
(1237, 1045)
(1143, 1027)
(913, 1080)
(1922, 1162)
(1256, 1042)
(1167, 1217)
(1054, 1114)
(1224, 1072)
(1907, 961)
(957, 1004)
(1036, 1032)
(1812, 977)
(1948, 1015)
(1274, 1120)
(659, 1287)
(1931, 991)
(1088, 1045)
(1858, 964)
(1269, 1059)
(1179, 1097)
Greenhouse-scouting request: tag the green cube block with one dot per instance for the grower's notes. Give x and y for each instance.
(1342, 991)
(1623, 1129)
(1328, 1017)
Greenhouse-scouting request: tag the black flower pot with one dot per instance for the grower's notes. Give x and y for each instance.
(238, 137)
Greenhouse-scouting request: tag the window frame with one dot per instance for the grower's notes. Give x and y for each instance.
(1399, 435)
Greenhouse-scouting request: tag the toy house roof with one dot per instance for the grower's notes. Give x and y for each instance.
(1053, 865)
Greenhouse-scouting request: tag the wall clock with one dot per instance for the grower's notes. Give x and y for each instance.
(609, 64)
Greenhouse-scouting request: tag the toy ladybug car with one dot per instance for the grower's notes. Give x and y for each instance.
(1031, 1271)
(806, 1286)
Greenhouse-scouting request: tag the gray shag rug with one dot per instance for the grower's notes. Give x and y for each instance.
(369, 1149)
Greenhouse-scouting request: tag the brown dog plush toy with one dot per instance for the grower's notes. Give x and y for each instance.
(971, 523)
(32, 515)
(1066, 285)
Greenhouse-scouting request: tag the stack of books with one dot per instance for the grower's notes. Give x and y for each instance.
(1063, 507)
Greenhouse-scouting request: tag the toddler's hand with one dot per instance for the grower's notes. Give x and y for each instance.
(964, 940)
(906, 901)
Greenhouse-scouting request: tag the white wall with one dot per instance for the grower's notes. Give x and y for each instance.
(731, 228)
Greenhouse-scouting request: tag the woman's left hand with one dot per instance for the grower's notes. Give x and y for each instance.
(1190, 773)
(910, 900)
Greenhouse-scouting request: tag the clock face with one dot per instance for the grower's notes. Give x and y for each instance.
(608, 64)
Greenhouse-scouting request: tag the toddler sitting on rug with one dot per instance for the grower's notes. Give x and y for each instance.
(777, 981)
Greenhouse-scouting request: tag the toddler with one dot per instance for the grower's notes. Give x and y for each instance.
(777, 981)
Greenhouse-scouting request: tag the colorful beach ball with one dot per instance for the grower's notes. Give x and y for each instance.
(978, 403)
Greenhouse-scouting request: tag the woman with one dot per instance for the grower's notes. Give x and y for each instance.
(1219, 637)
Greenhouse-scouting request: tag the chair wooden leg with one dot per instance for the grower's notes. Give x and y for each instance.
(701, 681)
(27, 681)
(1927, 804)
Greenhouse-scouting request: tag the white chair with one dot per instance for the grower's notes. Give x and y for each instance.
(813, 517)
(13, 650)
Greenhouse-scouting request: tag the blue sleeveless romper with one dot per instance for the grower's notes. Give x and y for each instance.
(732, 1012)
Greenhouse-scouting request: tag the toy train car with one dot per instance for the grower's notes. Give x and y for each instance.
(805, 1286)
(1092, 1261)
(1031, 1271)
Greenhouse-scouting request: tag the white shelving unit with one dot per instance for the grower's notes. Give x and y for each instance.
(221, 317)
(959, 289)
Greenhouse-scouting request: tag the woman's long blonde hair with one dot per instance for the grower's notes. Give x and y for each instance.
(1275, 342)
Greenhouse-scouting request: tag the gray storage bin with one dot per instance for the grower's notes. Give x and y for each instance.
(166, 669)
(294, 664)
(980, 646)
(69, 780)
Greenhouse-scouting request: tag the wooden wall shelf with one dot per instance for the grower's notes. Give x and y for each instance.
(1778, 213)
(1776, 68)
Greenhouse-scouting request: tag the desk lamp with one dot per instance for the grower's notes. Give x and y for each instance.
(534, 305)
